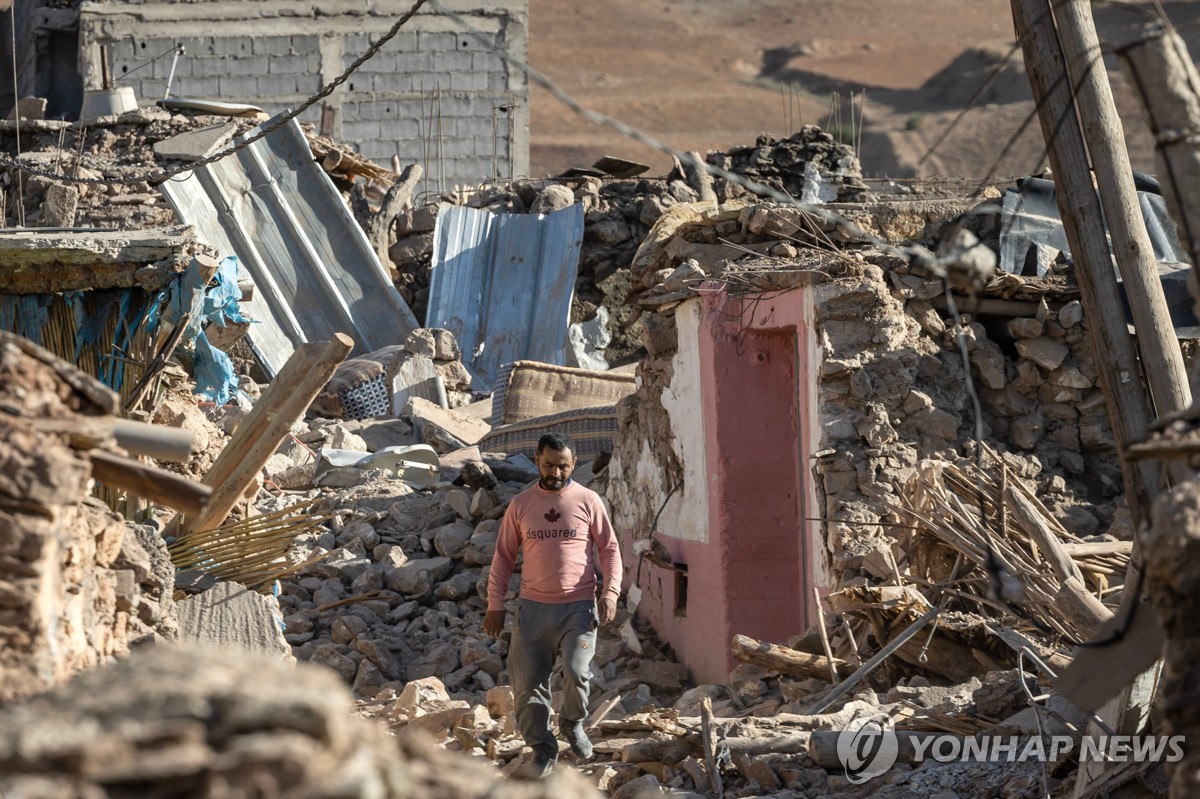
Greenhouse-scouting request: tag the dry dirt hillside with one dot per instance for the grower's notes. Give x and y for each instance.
(708, 74)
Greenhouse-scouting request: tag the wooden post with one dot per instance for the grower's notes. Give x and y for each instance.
(1169, 86)
(1162, 71)
(1105, 138)
(1129, 410)
(259, 434)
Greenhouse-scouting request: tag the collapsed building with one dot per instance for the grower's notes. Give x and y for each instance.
(799, 418)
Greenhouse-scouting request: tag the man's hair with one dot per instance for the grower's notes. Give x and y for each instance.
(556, 441)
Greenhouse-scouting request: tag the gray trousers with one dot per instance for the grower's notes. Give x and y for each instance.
(542, 632)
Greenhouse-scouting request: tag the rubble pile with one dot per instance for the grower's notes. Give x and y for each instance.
(112, 148)
(619, 213)
(809, 165)
(79, 586)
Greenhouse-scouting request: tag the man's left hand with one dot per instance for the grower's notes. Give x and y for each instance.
(608, 609)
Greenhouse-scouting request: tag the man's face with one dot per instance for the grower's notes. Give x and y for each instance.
(555, 467)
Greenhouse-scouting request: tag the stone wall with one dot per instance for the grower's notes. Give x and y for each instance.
(275, 56)
(891, 388)
(77, 587)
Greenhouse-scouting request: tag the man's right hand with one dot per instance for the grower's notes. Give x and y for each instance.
(493, 623)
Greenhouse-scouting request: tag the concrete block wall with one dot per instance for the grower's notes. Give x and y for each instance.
(435, 94)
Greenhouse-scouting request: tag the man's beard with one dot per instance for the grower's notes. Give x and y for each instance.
(552, 483)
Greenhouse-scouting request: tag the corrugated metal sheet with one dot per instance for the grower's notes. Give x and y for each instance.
(314, 272)
(502, 283)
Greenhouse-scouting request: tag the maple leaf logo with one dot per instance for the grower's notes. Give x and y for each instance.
(553, 515)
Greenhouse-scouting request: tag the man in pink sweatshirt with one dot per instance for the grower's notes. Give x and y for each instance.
(556, 522)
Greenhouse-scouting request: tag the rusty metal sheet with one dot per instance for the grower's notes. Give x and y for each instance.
(503, 283)
(314, 271)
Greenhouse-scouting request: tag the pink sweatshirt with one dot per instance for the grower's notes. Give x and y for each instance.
(557, 529)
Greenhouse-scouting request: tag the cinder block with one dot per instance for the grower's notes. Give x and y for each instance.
(287, 65)
(276, 85)
(273, 45)
(370, 110)
(428, 82)
(355, 44)
(452, 62)
(471, 42)
(400, 128)
(233, 46)
(308, 84)
(122, 51)
(480, 124)
(240, 87)
(391, 84)
(214, 67)
(208, 88)
(458, 106)
(486, 62)
(377, 149)
(303, 45)
(195, 46)
(404, 42)
(312, 115)
(498, 82)
(382, 62)
(431, 42)
(458, 148)
(414, 61)
(360, 130)
(473, 169)
(162, 67)
(468, 82)
(150, 90)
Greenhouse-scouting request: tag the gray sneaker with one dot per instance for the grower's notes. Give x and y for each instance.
(581, 745)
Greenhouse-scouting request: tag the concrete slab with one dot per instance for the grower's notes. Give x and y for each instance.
(232, 615)
(193, 145)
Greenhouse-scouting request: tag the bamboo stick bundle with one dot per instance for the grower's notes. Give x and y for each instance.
(252, 551)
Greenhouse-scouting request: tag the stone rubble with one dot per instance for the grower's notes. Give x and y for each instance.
(391, 595)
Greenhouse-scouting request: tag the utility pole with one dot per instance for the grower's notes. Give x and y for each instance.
(1130, 410)
(1128, 404)
(1156, 341)
(1166, 79)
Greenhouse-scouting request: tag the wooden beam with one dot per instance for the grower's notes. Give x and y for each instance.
(165, 488)
(782, 658)
(258, 436)
(1105, 139)
(1166, 79)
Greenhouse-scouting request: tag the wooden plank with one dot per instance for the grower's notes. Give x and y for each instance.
(264, 428)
